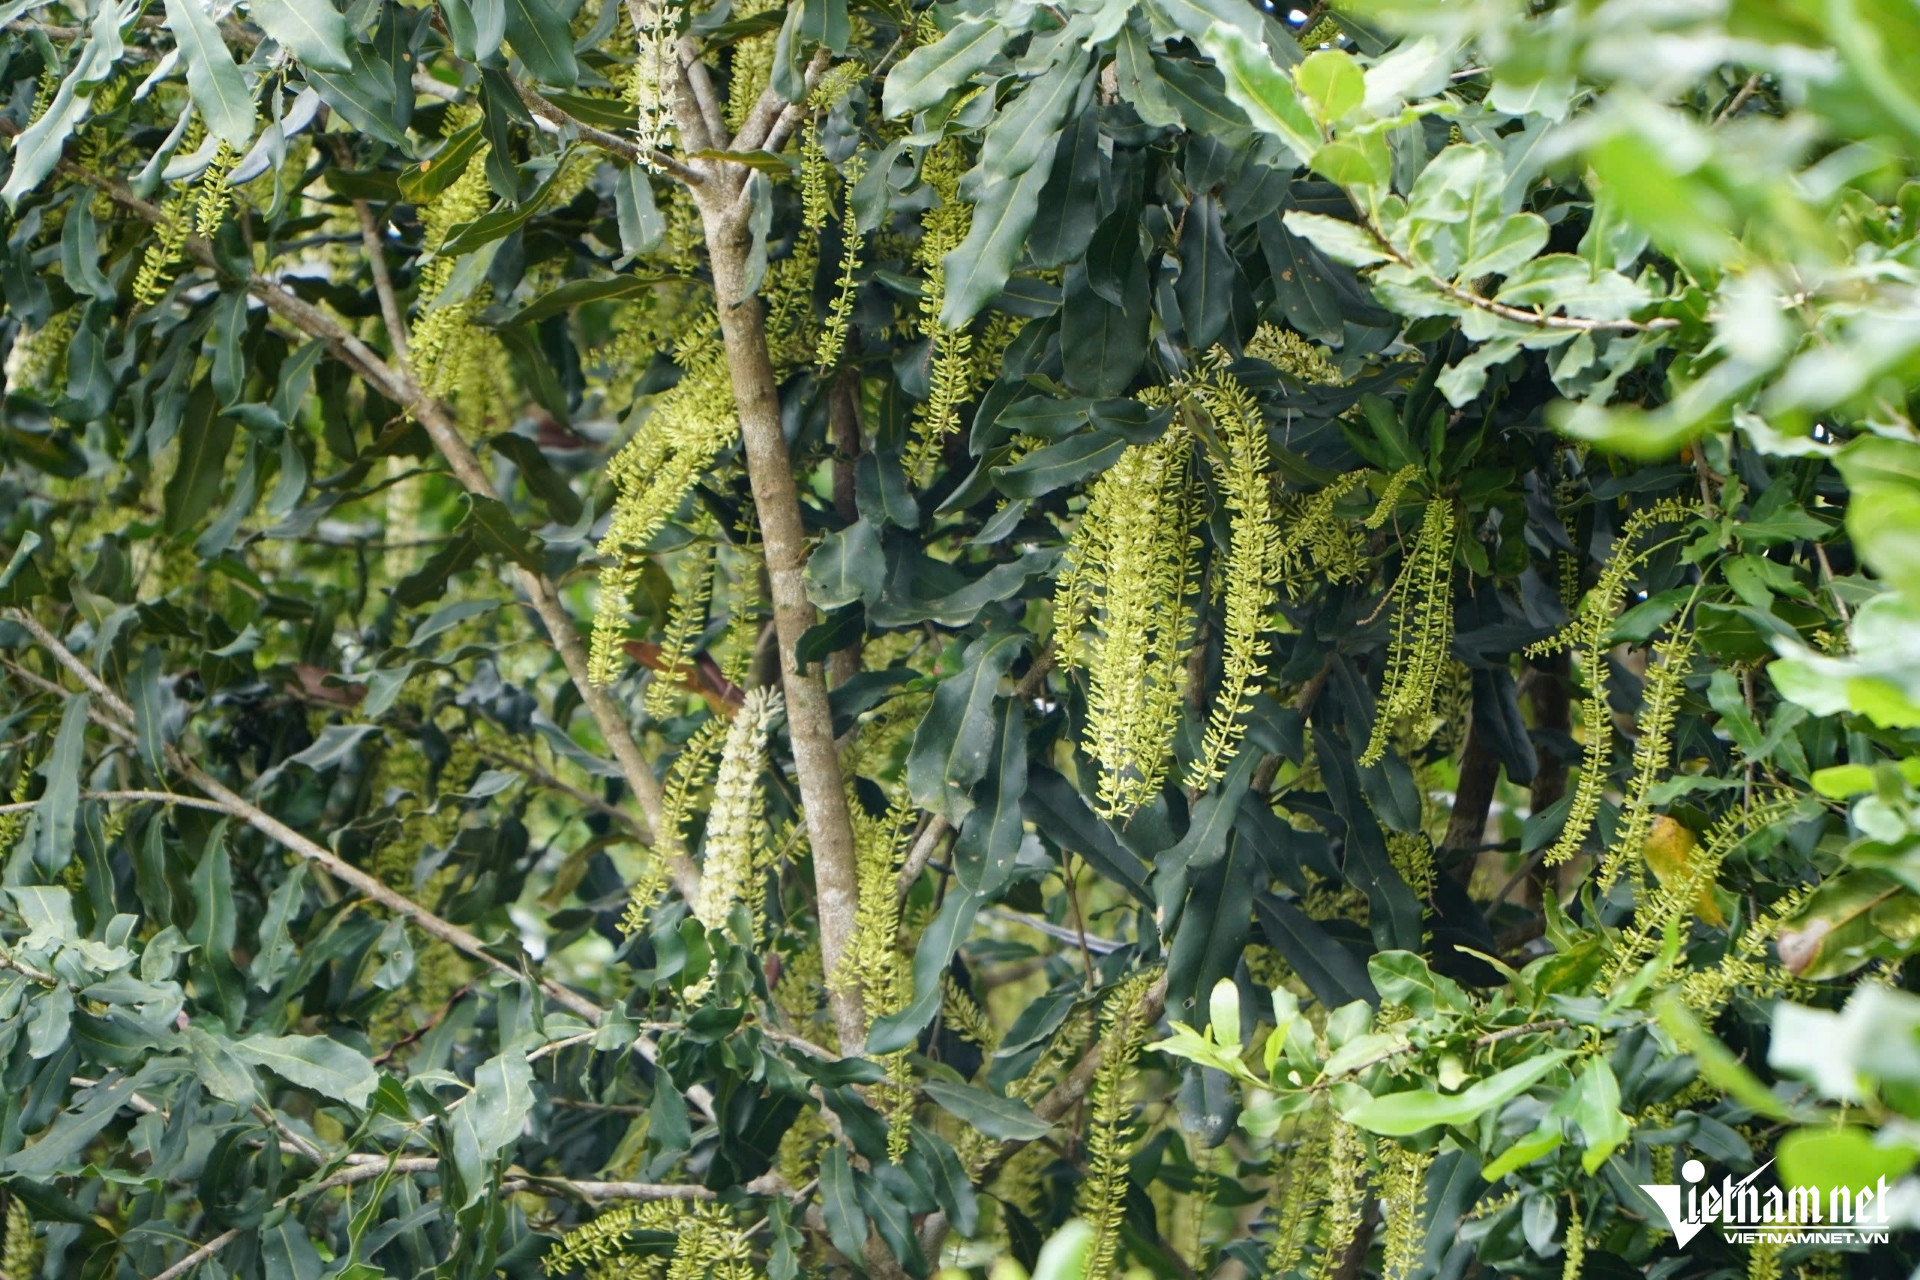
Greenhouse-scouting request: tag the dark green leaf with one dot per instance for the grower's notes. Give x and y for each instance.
(952, 744)
(542, 40)
(1005, 1118)
(205, 439)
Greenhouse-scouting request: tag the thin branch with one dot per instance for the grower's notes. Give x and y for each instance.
(376, 246)
(398, 385)
(161, 797)
(631, 152)
(586, 799)
(199, 1255)
(1507, 311)
(922, 853)
(1739, 99)
(236, 807)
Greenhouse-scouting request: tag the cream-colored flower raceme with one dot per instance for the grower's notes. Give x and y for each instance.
(1576, 1246)
(1403, 1194)
(1422, 629)
(833, 334)
(1660, 704)
(950, 382)
(1348, 1185)
(1122, 611)
(1588, 633)
(1298, 1183)
(1292, 354)
(686, 621)
(734, 820)
(686, 429)
(1313, 545)
(1390, 496)
(1110, 1123)
(653, 63)
(1250, 567)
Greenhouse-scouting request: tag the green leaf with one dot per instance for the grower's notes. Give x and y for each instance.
(1342, 241)
(1524, 1152)
(477, 27)
(59, 805)
(848, 565)
(1069, 1254)
(1331, 80)
(206, 437)
(490, 1118)
(1717, 1062)
(1070, 461)
(1597, 1112)
(543, 41)
(37, 149)
(334, 745)
(1330, 971)
(1400, 1115)
(1005, 1118)
(313, 1062)
(932, 71)
(545, 483)
(953, 742)
(825, 23)
(952, 1189)
(217, 85)
(149, 707)
(1027, 126)
(1207, 271)
(932, 959)
(977, 271)
(311, 30)
(1258, 86)
(840, 1203)
(989, 839)
(495, 530)
(1846, 1157)
(363, 94)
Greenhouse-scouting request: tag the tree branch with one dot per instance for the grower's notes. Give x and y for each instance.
(776, 502)
(631, 152)
(398, 385)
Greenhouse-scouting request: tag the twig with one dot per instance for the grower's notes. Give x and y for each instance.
(398, 385)
(1739, 99)
(376, 246)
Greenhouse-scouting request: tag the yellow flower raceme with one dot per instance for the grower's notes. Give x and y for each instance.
(1665, 683)
(1123, 612)
(1250, 568)
(687, 428)
(1110, 1124)
(686, 621)
(1422, 629)
(950, 381)
(1589, 632)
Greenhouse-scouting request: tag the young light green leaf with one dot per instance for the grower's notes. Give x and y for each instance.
(1400, 1115)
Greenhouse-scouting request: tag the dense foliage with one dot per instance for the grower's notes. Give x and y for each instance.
(731, 639)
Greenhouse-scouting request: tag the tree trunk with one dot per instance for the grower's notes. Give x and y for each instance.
(823, 794)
